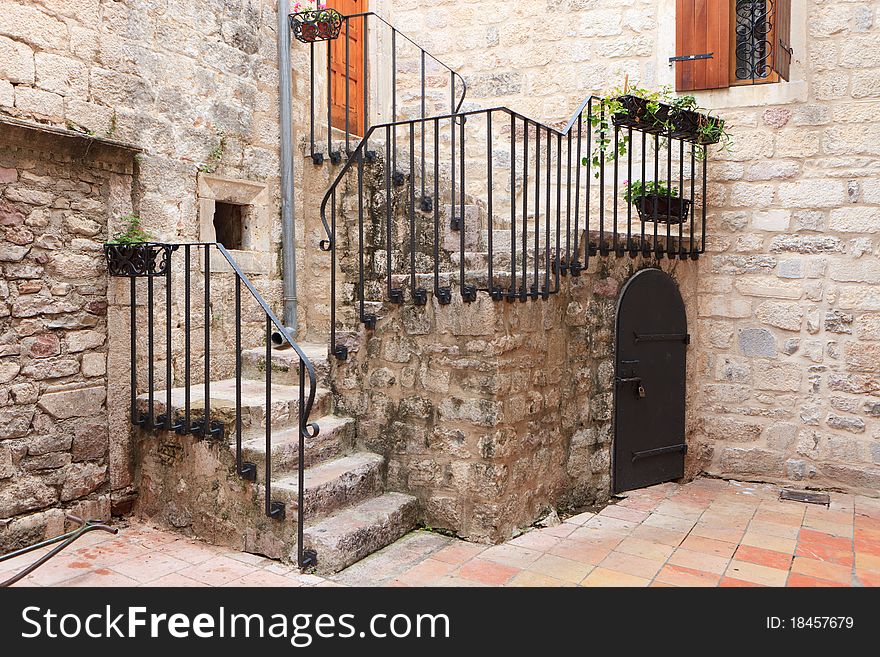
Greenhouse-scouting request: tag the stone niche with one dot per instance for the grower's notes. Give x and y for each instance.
(490, 412)
(236, 214)
(57, 191)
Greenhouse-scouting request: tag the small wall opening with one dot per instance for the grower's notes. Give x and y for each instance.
(229, 225)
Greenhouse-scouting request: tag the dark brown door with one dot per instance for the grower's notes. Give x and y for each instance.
(355, 67)
(649, 409)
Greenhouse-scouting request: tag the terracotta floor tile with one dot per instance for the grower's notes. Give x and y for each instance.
(263, 579)
(487, 572)
(730, 582)
(529, 579)
(100, 577)
(656, 534)
(751, 572)
(631, 565)
(763, 557)
(427, 572)
(833, 528)
(150, 566)
(646, 549)
(867, 542)
(668, 522)
(511, 555)
(580, 519)
(583, 551)
(825, 547)
(567, 570)
(819, 513)
(822, 570)
(623, 513)
(773, 529)
(683, 576)
(868, 578)
(603, 577)
(642, 504)
(174, 580)
(718, 534)
(218, 571)
(458, 552)
(535, 541)
(679, 510)
(767, 542)
(867, 562)
(190, 552)
(561, 530)
(799, 580)
(611, 525)
(708, 563)
(600, 537)
(709, 546)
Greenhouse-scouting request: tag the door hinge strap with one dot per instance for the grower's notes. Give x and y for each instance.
(690, 58)
(663, 337)
(660, 451)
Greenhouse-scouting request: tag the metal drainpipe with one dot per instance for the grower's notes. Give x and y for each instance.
(288, 228)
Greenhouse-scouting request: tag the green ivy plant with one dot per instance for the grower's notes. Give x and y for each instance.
(132, 232)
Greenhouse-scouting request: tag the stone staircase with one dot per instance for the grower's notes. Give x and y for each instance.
(348, 513)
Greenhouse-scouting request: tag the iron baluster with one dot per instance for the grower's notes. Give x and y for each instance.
(238, 463)
(546, 290)
(268, 474)
(669, 195)
(135, 414)
(703, 235)
(150, 374)
(681, 206)
(603, 248)
(206, 429)
(489, 172)
(394, 101)
(574, 266)
(168, 381)
(424, 201)
(511, 295)
(588, 248)
(395, 296)
(420, 297)
(469, 292)
(312, 102)
(301, 471)
(523, 290)
(187, 424)
(693, 205)
(645, 250)
(537, 208)
(369, 321)
(657, 251)
(336, 348)
(630, 245)
(615, 239)
(567, 209)
(437, 293)
(558, 205)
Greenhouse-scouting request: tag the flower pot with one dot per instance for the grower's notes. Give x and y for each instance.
(137, 260)
(687, 127)
(316, 25)
(672, 210)
(636, 115)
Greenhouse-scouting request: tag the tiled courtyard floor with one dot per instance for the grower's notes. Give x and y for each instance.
(704, 533)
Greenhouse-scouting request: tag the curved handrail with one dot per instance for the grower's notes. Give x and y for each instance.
(446, 66)
(282, 331)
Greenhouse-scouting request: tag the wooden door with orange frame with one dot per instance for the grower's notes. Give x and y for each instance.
(354, 100)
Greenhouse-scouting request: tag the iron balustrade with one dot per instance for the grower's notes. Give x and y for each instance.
(206, 423)
(564, 205)
(401, 46)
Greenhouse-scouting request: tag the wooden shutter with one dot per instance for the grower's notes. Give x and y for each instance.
(782, 31)
(703, 26)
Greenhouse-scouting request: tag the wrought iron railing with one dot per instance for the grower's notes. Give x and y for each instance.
(552, 199)
(398, 59)
(163, 267)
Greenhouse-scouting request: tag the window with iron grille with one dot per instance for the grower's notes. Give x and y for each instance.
(723, 43)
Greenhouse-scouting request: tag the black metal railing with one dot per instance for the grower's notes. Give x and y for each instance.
(552, 200)
(173, 316)
(401, 61)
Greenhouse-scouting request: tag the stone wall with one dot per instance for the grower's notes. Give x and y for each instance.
(493, 412)
(55, 195)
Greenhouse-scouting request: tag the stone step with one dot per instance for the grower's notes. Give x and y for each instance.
(285, 364)
(335, 438)
(285, 403)
(332, 485)
(350, 535)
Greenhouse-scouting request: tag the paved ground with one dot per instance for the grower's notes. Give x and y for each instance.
(705, 533)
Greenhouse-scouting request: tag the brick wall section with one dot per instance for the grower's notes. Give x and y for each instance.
(55, 195)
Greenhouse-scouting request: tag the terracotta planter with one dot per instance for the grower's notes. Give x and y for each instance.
(137, 260)
(316, 25)
(673, 210)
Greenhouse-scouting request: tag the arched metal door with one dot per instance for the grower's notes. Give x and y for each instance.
(649, 409)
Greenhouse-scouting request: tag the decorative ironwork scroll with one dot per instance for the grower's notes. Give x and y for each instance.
(315, 25)
(136, 260)
(754, 32)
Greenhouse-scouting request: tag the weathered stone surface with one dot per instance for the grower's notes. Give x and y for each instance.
(89, 442)
(751, 461)
(81, 479)
(15, 421)
(757, 342)
(84, 402)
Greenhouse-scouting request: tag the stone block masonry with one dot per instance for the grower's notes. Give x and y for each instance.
(492, 412)
(56, 193)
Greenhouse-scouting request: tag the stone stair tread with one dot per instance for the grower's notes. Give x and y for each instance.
(314, 351)
(329, 471)
(328, 424)
(351, 534)
(253, 393)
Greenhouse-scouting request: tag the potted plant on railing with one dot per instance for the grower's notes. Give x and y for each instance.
(654, 200)
(130, 252)
(313, 21)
